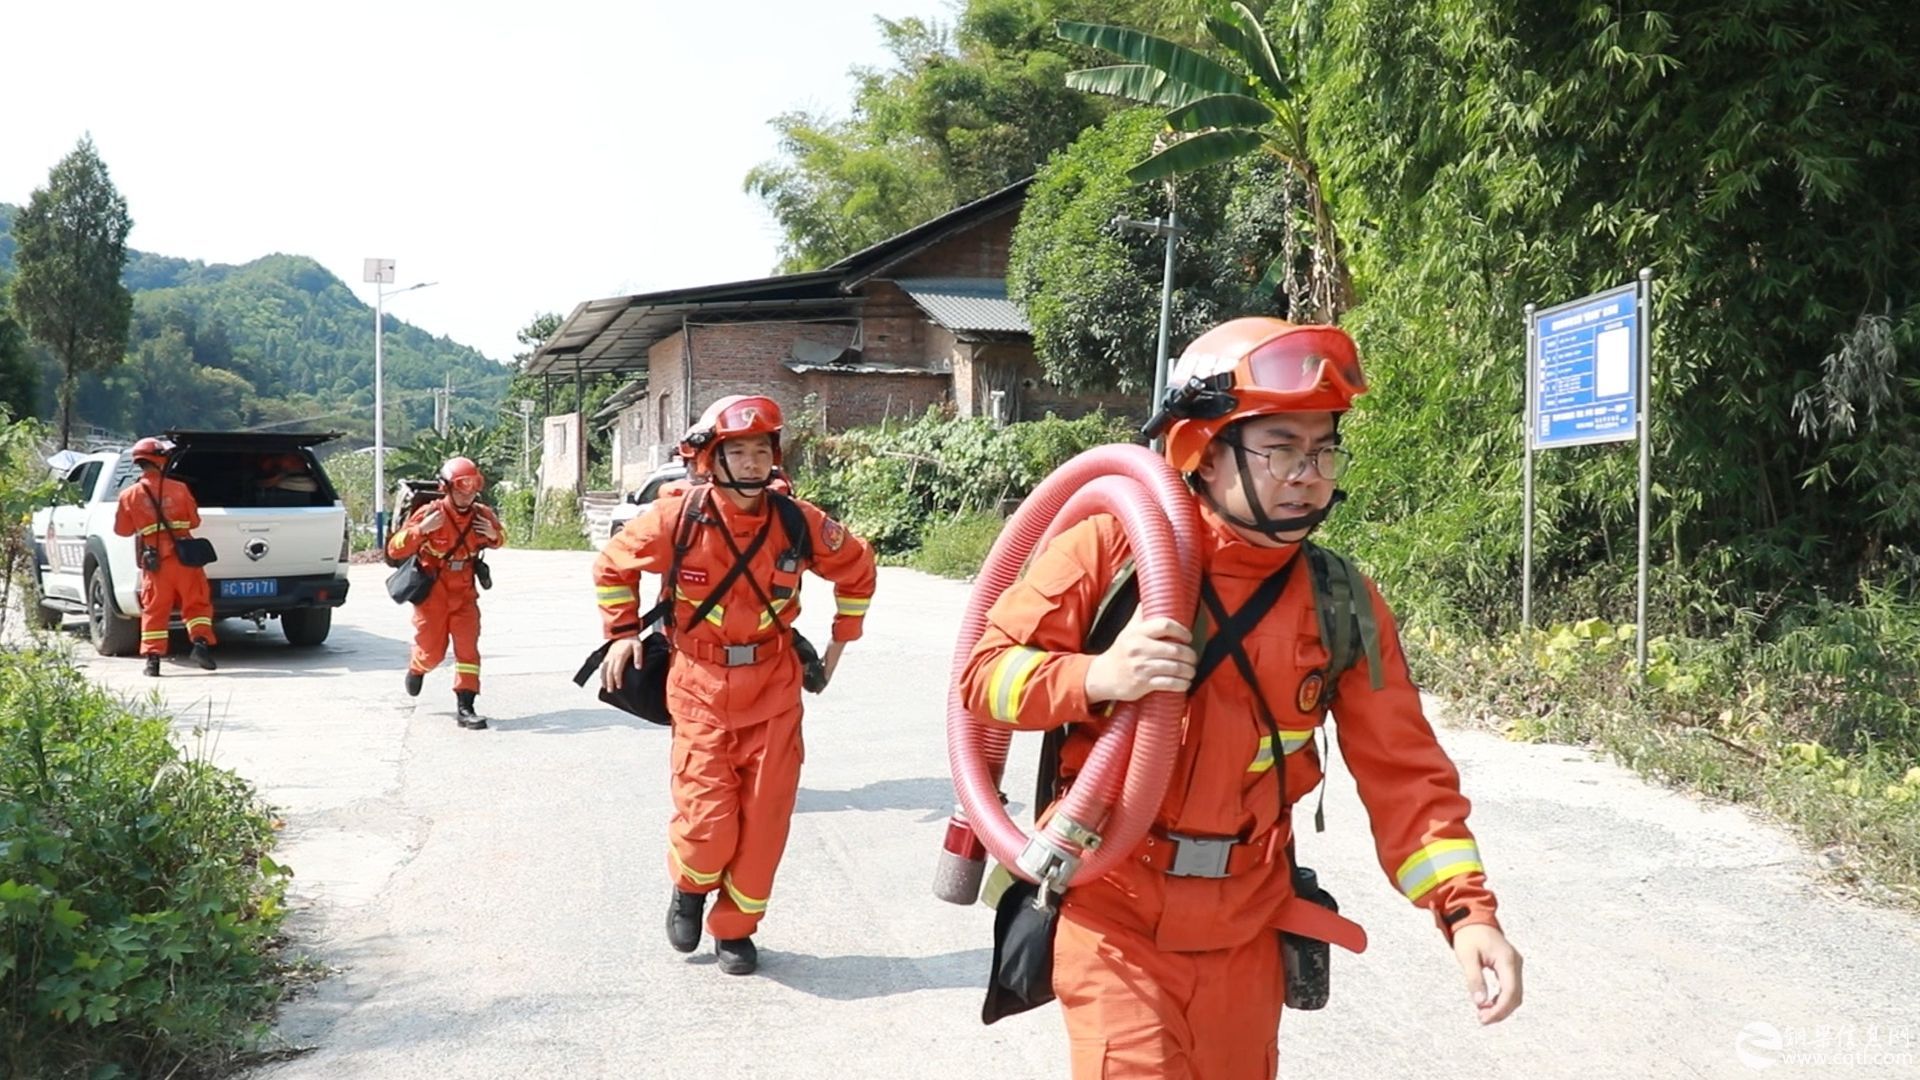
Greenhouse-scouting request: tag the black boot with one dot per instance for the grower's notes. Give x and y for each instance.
(737, 955)
(463, 712)
(203, 656)
(414, 681)
(684, 912)
(153, 666)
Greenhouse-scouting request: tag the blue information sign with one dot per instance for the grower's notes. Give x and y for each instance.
(1586, 371)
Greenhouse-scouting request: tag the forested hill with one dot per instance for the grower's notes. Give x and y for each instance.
(279, 340)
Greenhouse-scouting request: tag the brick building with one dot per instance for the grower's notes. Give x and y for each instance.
(921, 318)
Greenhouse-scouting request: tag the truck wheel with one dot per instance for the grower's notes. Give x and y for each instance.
(113, 634)
(307, 626)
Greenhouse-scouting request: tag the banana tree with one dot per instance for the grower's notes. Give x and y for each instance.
(1219, 110)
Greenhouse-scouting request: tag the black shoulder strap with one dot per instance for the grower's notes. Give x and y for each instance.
(1225, 641)
(794, 521)
(741, 562)
(683, 529)
(159, 511)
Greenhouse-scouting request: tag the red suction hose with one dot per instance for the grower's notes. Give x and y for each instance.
(1116, 795)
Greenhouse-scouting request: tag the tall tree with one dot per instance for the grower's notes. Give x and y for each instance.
(19, 375)
(1220, 108)
(962, 111)
(72, 246)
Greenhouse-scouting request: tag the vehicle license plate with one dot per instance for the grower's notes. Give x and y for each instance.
(246, 587)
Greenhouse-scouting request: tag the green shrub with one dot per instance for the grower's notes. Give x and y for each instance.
(891, 483)
(955, 548)
(138, 902)
(549, 524)
(1819, 725)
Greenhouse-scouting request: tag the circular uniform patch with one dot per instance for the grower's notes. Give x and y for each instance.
(1307, 698)
(833, 534)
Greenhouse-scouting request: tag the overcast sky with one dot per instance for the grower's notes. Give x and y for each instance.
(524, 155)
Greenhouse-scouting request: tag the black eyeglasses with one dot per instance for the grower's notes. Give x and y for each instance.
(1284, 463)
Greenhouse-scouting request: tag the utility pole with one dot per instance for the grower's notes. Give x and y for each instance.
(379, 273)
(1170, 228)
(526, 439)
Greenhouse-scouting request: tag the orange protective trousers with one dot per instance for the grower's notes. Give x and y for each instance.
(1137, 1012)
(452, 609)
(162, 590)
(733, 795)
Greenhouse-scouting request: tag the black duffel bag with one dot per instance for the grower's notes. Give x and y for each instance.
(410, 584)
(194, 551)
(643, 692)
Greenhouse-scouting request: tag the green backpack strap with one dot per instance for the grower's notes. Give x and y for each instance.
(1117, 606)
(1348, 627)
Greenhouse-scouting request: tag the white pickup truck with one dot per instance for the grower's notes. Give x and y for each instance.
(277, 525)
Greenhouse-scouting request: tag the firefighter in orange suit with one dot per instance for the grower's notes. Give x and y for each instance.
(735, 681)
(449, 535)
(157, 511)
(1179, 975)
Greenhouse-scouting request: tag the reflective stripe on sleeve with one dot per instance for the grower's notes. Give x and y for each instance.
(1008, 682)
(1434, 864)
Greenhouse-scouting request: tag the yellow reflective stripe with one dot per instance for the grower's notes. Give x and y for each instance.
(1263, 757)
(717, 616)
(616, 595)
(852, 605)
(467, 669)
(1435, 863)
(767, 616)
(182, 525)
(151, 529)
(689, 872)
(1290, 742)
(152, 635)
(1008, 681)
(433, 551)
(200, 621)
(746, 903)
(399, 537)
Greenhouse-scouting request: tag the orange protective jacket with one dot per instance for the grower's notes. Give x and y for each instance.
(134, 514)
(735, 697)
(445, 552)
(1029, 672)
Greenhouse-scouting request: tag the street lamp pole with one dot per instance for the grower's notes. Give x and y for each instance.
(380, 273)
(1170, 228)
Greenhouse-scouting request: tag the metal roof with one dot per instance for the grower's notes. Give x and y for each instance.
(967, 305)
(612, 336)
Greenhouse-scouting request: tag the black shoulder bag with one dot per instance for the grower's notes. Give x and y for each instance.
(190, 550)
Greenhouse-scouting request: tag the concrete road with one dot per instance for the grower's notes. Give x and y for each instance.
(491, 903)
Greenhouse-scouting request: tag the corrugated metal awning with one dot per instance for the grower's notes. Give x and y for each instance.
(967, 305)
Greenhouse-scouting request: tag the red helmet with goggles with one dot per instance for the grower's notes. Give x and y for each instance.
(731, 417)
(1253, 367)
(462, 476)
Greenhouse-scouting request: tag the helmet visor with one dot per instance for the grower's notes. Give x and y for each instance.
(1303, 360)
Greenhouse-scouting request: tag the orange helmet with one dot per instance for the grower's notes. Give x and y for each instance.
(150, 451)
(730, 418)
(462, 476)
(1254, 367)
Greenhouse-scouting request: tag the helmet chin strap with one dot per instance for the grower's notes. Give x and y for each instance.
(744, 487)
(1261, 523)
